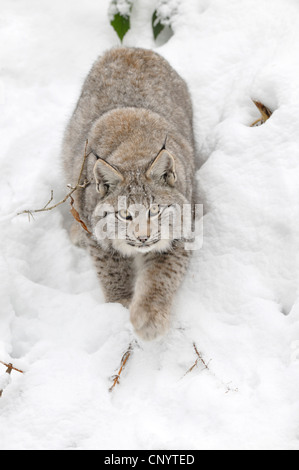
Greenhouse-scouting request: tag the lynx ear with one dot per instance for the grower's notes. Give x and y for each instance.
(163, 168)
(106, 176)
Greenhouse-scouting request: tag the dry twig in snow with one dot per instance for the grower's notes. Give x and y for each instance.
(206, 366)
(123, 362)
(265, 113)
(79, 185)
(199, 359)
(5, 380)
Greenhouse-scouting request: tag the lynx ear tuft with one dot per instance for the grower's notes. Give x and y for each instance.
(163, 168)
(106, 176)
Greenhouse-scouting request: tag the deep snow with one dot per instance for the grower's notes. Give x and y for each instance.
(240, 300)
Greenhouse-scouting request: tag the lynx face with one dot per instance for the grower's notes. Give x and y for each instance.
(137, 229)
(139, 211)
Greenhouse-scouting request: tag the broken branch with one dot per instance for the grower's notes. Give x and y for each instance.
(124, 360)
(5, 380)
(206, 366)
(79, 185)
(265, 113)
(199, 359)
(11, 367)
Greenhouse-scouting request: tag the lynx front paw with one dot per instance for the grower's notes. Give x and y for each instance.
(149, 323)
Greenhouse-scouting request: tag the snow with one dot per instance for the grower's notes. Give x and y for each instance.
(166, 11)
(4, 381)
(239, 302)
(119, 6)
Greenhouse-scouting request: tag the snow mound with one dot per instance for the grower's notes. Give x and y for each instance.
(239, 303)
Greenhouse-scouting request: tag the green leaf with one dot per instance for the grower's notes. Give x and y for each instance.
(121, 25)
(157, 26)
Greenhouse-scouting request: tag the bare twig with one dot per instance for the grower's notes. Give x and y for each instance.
(51, 199)
(79, 185)
(6, 379)
(123, 362)
(265, 113)
(206, 366)
(11, 366)
(199, 359)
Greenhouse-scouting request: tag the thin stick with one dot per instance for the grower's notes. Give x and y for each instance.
(265, 113)
(51, 199)
(199, 359)
(83, 185)
(206, 366)
(255, 122)
(7, 379)
(124, 360)
(10, 366)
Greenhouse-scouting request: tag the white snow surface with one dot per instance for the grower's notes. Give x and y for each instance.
(166, 11)
(119, 6)
(239, 302)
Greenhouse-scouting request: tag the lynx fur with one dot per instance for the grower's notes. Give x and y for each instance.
(136, 113)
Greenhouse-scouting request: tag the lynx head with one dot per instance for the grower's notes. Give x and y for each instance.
(139, 208)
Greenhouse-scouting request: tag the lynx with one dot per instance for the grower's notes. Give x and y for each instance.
(136, 114)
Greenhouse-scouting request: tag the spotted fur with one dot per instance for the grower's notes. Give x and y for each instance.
(136, 113)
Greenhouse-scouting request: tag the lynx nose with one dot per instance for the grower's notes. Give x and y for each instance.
(142, 238)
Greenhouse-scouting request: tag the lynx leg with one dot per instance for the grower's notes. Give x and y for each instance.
(116, 275)
(156, 284)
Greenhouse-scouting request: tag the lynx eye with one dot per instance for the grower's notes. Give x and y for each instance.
(124, 214)
(154, 210)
